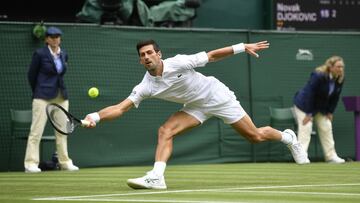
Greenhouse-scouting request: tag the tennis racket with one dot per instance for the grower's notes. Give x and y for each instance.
(62, 120)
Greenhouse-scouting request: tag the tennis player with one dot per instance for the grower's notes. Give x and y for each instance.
(174, 79)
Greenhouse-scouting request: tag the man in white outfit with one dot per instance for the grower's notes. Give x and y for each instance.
(174, 79)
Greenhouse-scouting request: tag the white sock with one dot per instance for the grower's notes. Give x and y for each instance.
(159, 168)
(286, 138)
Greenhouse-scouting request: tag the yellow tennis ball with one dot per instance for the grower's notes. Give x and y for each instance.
(93, 92)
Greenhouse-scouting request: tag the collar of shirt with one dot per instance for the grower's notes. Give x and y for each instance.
(55, 54)
(158, 77)
(155, 79)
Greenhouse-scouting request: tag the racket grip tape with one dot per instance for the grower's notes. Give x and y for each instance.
(85, 123)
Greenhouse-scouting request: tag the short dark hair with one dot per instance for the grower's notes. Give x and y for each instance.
(147, 42)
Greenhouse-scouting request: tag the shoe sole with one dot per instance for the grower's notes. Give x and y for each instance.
(333, 162)
(32, 171)
(135, 186)
(303, 163)
(138, 186)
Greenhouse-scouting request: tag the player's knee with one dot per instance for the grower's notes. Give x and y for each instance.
(164, 133)
(265, 130)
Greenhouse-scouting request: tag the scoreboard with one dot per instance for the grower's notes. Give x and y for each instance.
(321, 15)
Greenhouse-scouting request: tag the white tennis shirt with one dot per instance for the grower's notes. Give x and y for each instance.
(180, 83)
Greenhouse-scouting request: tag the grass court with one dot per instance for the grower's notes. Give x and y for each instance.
(215, 183)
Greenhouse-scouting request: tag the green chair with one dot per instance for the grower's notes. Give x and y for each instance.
(20, 128)
(284, 118)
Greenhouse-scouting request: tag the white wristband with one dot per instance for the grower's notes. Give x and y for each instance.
(95, 117)
(238, 48)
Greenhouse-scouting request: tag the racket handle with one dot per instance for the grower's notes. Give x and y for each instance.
(85, 123)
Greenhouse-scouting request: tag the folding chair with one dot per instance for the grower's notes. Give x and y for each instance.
(20, 128)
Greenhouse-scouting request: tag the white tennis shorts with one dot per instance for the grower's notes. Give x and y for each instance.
(222, 104)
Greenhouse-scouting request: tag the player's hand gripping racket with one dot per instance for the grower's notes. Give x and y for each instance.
(63, 121)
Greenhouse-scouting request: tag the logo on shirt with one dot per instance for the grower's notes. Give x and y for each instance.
(179, 75)
(133, 93)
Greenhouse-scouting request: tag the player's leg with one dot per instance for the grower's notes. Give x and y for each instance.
(231, 112)
(246, 127)
(176, 124)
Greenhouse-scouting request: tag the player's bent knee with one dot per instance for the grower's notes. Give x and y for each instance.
(164, 133)
(265, 130)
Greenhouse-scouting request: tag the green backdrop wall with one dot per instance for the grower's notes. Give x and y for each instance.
(238, 14)
(106, 57)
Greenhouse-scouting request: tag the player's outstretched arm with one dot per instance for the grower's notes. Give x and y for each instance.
(252, 48)
(109, 113)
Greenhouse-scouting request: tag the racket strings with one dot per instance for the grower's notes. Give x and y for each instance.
(60, 120)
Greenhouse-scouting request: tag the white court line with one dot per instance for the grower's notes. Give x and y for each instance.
(289, 192)
(197, 190)
(147, 200)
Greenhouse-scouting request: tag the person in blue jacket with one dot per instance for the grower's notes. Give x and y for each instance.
(45, 75)
(317, 101)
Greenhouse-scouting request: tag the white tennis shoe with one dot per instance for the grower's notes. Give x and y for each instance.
(336, 160)
(32, 169)
(69, 167)
(149, 181)
(298, 153)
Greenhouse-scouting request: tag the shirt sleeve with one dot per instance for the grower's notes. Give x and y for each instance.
(139, 93)
(189, 61)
